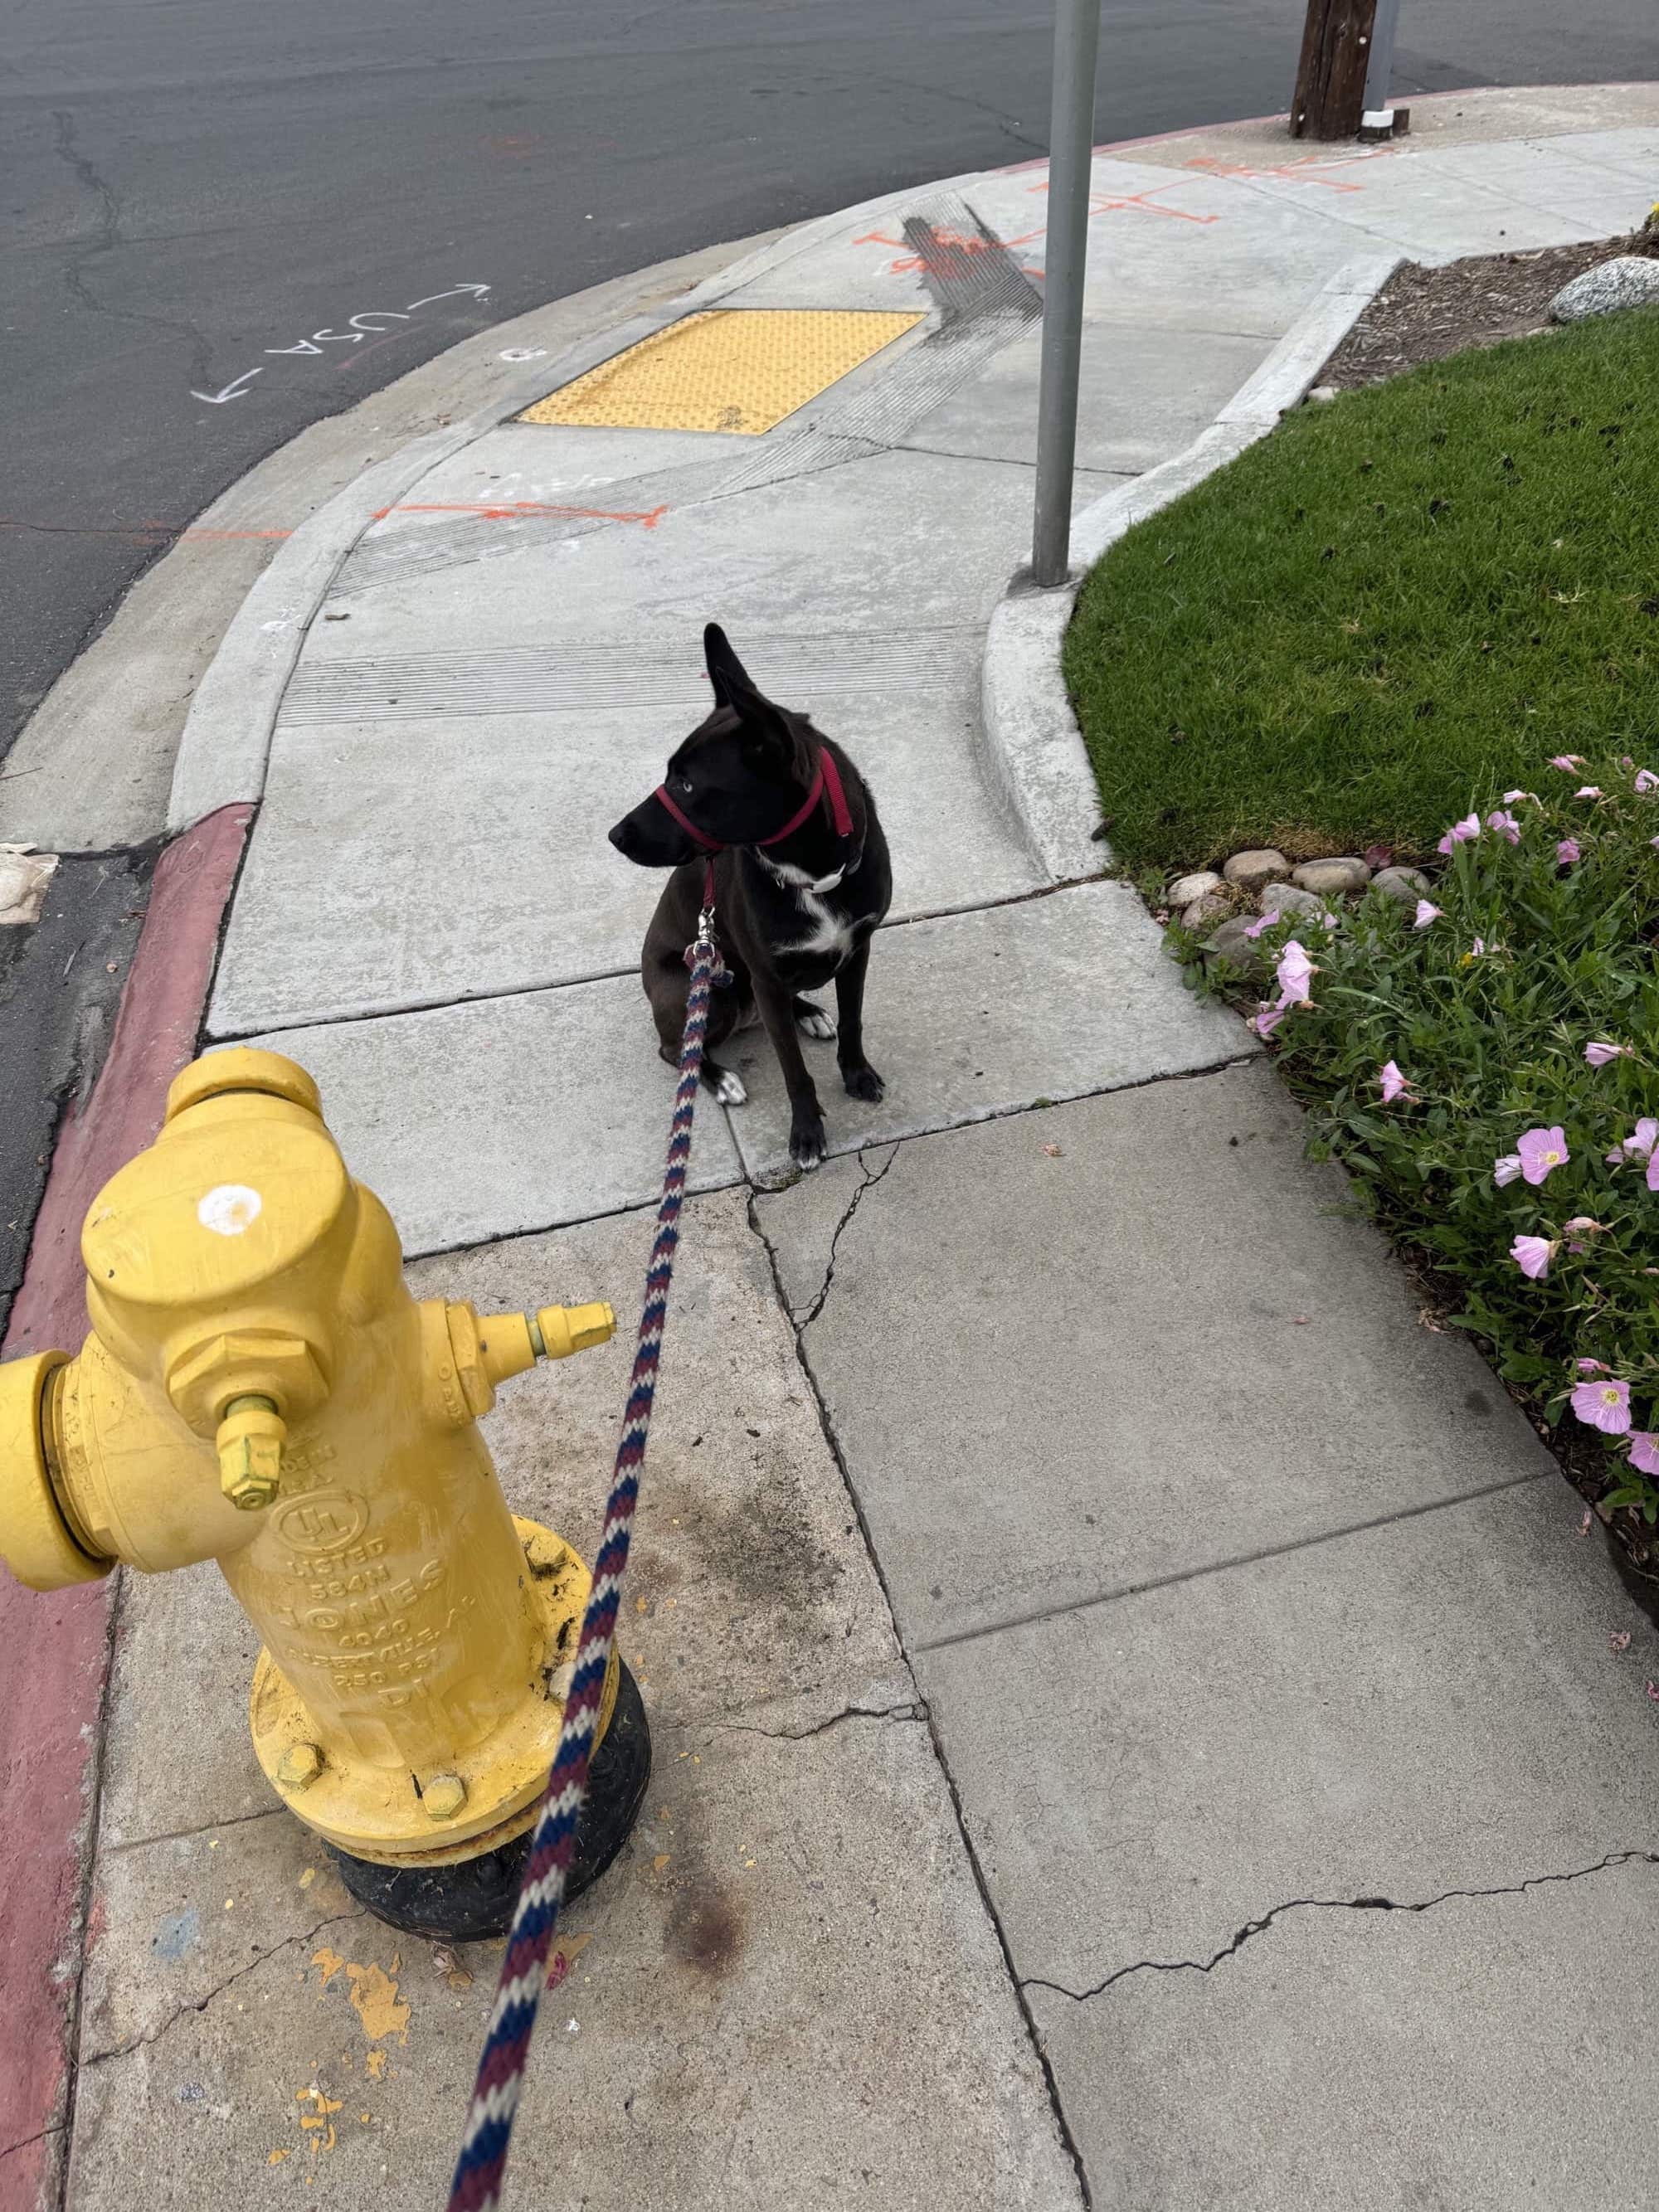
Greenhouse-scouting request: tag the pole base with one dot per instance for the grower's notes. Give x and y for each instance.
(476, 1897)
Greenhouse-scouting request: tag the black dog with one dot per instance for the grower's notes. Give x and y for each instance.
(802, 880)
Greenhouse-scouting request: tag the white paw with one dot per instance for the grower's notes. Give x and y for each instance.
(817, 1023)
(728, 1089)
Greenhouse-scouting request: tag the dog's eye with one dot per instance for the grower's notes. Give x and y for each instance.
(685, 785)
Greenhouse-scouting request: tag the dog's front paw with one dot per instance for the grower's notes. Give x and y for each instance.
(864, 1082)
(806, 1141)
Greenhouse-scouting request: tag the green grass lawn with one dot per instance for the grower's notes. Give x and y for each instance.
(1393, 603)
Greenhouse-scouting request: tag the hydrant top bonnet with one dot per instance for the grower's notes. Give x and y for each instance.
(252, 1183)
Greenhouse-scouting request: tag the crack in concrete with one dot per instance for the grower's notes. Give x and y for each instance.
(39, 2135)
(201, 2004)
(1252, 1928)
(803, 1321)
(108, 240)
(912, 1709)
(202, 1828)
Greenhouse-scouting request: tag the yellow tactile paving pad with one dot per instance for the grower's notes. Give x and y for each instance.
(727, 368)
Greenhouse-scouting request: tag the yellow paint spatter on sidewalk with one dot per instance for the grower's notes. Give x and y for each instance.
(375, 2001)
(727, 369)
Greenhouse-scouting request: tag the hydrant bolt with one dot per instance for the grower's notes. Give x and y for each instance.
(300, 1766)
(443, 1796)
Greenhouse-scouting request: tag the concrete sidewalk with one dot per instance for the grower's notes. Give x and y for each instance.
(1135, 1719)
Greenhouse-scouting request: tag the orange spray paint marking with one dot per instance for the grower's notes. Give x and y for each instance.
(1134, 204)
(1303, 171)
(510, 510)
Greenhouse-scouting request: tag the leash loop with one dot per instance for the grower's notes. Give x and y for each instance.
(476, 2186)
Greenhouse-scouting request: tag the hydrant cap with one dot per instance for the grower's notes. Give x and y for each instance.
(242, 1068)
(217, 1206)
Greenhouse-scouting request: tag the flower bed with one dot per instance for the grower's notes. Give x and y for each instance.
(1484, 1064)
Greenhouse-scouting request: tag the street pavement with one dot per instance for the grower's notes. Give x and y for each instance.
(1137, 1720)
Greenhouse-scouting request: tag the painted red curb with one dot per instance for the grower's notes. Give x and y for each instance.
(54, 1649)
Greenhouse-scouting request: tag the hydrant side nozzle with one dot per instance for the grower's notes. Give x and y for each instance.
(37, 1541)
(510, 1343)
(250, 1441)
(565, 1329)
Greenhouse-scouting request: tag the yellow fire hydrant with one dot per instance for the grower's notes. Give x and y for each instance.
(259, 1388)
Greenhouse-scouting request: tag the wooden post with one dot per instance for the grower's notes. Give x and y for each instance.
(1330, 80)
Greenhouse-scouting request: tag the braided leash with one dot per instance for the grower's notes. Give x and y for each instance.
(476, 2186)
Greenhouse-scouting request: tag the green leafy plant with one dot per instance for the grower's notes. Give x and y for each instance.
(1486, 1069)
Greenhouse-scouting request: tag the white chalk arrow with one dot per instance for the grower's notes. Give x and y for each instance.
(232, 390)
(476, 290)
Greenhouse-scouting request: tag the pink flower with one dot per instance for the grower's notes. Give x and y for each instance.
(1394, 1082)
(1646, 779)
(1604, 1406)
(1540, 1150)
(1295, 972)
(1580, 1227)
(1599, 1054)
(1593, 1367)
(1460, 833)
(1506, 1170)
(1638, 1146)
(1265, 1020)
(1426, 913)
(1567, 852)
(1513, 797)
(1533, 1255)
(1568, 761)
(1588, 791)
(1505, 824)
(1645, 1451)
(1263, 921)
(1652, 1176)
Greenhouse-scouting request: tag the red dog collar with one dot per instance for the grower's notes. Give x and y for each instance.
(826, 777)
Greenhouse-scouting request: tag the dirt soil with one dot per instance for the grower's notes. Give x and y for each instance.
(1424, 314)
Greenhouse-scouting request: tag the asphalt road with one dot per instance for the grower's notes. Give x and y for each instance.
(193, 185)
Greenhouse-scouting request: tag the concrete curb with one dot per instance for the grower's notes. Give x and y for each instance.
(226, 743)
(55, 1648)
(1029, 743)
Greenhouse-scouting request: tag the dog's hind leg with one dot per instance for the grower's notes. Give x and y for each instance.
(814, 1020)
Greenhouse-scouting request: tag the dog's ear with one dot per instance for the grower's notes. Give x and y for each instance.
(729, 678)
(767, 737)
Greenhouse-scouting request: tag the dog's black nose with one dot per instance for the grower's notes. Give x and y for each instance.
(618, 836)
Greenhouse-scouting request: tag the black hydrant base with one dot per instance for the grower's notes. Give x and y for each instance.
(460, 1902)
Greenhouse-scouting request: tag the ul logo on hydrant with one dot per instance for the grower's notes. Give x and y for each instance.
(253, 1340)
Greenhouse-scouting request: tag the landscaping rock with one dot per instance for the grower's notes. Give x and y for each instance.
(1186, 889)
(1250, 870)
(1406, 884)
(1231, 943)
(1288, 898)
(1212, 907)
(1631, 280)
(1331, 879)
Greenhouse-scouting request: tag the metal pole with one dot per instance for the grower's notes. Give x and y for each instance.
(1379, 69)
(1071, 142)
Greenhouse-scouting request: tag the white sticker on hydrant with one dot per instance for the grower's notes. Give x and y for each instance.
(230, 1208)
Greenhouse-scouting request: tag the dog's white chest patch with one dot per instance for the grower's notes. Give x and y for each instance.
(828, 934)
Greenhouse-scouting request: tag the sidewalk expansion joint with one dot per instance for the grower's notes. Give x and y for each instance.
(1252, 1928)
(804, 1320)
(200, 2004)
(1087, 1601)
(924, 1711)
